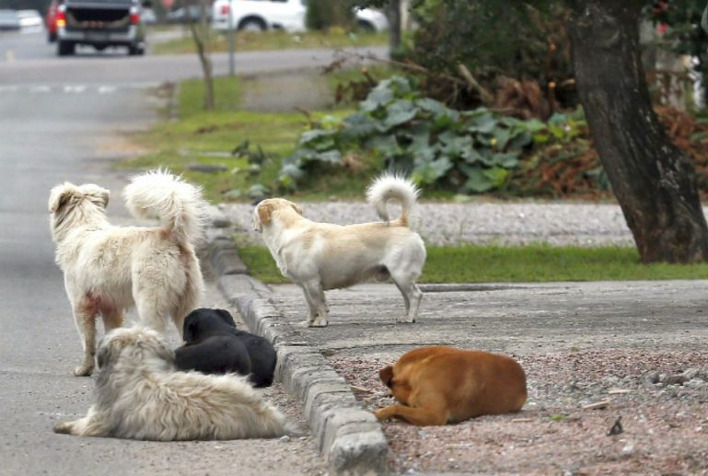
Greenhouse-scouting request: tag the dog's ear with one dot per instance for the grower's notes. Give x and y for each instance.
(386, 375)
(226, 316)
(97, 195)
(190, 330)
(108, 353)
(264, 211)
(297, 208)
(161, 350)
(60, 196)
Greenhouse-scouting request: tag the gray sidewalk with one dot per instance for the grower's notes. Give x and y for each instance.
(518, 319)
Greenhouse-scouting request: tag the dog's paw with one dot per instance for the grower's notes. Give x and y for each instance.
(319, 323)
(83, 370)
(63, 428)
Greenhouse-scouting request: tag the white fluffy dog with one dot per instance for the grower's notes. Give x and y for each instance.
(109, 269)
(321, 256)
(141, 396)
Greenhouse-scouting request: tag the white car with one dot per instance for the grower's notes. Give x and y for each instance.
(289, 15)
(30, 18)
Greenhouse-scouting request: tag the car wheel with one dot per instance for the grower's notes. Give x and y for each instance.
(365, 27)
(136, 50)
(65, 48)
(252, 24)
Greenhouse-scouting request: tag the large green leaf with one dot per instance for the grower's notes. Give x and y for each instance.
(399, 113)
(428, 173)
(333, 157)
(359, 125)
(477, 180)
(507, 160)
(481, 121)
(314, 135)
(501, 138)
(435, 107)
(384, 144)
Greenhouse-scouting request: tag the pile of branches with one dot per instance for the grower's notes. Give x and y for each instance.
(573, 170)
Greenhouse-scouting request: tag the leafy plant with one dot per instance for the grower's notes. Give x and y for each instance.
(465, 151)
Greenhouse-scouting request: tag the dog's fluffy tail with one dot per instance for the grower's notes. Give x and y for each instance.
(391, 186)
(179, 205)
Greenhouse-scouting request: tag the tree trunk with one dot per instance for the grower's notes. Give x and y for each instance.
(200, 34)
(653, 180)
(394, 26)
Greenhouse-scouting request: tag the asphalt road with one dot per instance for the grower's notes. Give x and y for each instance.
(63, 119)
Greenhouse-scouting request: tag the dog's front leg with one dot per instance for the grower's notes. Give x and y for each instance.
(314, 295)
(85, 320)
(86, 426)
(417, 416)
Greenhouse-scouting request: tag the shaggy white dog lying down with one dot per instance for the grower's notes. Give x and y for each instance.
(140, 395)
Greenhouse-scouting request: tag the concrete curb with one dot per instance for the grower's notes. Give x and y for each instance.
(349, 437)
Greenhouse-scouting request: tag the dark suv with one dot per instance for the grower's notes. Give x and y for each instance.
(100, 23)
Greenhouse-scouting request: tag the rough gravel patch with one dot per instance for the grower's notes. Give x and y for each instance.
(660, 399)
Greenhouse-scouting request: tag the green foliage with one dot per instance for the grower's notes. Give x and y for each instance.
(468, 152)
(325, 14)
(505, 38)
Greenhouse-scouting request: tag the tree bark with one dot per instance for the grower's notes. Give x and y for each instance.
(200, 34)
(653, 180)
(394, 26)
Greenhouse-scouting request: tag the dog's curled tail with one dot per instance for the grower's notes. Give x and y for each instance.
(179, 205)
(397, 187)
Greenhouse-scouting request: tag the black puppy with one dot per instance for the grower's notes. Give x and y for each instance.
(204, 323)
(214, 355)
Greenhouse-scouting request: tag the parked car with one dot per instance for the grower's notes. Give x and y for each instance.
(289, 15)
(100, 23)
(50, 20)
(9, 20)
(29, 19)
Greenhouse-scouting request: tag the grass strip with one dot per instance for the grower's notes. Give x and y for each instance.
(510, 264)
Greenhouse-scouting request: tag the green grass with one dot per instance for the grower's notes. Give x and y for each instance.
(534, 263)
(198, 137)
(274, 40)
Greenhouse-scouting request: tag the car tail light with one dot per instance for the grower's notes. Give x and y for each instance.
(225, 9)
(134, 18)
(61, 18)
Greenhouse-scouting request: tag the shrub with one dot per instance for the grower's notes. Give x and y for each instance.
(467, 152)
(325, 14)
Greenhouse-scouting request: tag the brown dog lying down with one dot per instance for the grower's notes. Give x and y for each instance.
(438, 385)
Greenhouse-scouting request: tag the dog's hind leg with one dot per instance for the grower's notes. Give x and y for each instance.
(190, 297)
(112, 318)
(412, 296)
(85, 318)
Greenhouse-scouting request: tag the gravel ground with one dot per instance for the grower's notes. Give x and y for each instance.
(656, 401)
(575, 399)
(483, 222)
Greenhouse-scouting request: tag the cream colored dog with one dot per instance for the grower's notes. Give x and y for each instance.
(140, 395)
(321, 256)
(108, 269)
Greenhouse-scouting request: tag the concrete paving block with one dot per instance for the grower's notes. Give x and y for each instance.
(359, 454)
(318, 401)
